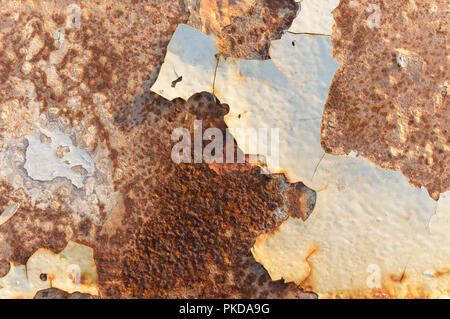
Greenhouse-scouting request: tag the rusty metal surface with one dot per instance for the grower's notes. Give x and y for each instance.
(388, 100)
(53, 293)
(157, 229)
(164, 230)
(187, 229)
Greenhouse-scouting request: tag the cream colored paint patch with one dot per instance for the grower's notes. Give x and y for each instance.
(72, 270)
(52, 154)
(191, 60)
(314, 17)
(15, 284)
(288, 93)
(284, 93)
(366, 219)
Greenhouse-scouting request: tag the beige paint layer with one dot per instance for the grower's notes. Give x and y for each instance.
(72, 270)
(314, 17)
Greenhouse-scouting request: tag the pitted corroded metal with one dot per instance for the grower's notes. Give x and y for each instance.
(389, 100)
(70, 78)
(54, 293)
(187, 229)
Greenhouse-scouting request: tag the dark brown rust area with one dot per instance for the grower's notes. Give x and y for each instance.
(54, 293)
(187, 228)
(243, 29)
(394, 113)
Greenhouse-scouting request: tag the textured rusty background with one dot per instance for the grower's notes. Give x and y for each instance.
(397, 117)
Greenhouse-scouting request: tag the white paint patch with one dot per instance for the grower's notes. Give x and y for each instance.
(402, 60)
(364, 215)
(52, 154)
(190, 55)
(15, 284)
(287, 92)
(63, 271)
(314, 17)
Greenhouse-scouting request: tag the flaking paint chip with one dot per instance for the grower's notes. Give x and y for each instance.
(52, 154)
(190, 55)
(364, 216)
(8, 213)
(315, 17)
(72, 270)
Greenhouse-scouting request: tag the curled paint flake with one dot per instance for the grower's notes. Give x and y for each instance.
(71, 270)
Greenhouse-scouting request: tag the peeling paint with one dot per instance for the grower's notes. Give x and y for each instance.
(290, 96)
(166, 230)
(314, 17)
(364, 215)
(71, 270)
(52, 154)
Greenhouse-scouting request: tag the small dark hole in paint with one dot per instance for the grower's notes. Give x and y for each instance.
(174, 82)
(43, 277)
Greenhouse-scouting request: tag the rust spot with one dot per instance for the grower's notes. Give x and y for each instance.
(300, 201)
(174, 82)
(54, 293)
(441, 273)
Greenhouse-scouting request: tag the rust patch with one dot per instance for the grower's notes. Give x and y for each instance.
(188, 225)
(398, 279)
(388, 99)
(54, 293)
(174, 82)
(441, 273)
(243, 29)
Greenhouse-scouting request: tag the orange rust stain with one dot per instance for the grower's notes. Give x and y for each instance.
(306, 283)
(398, 279)
(441, 273)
